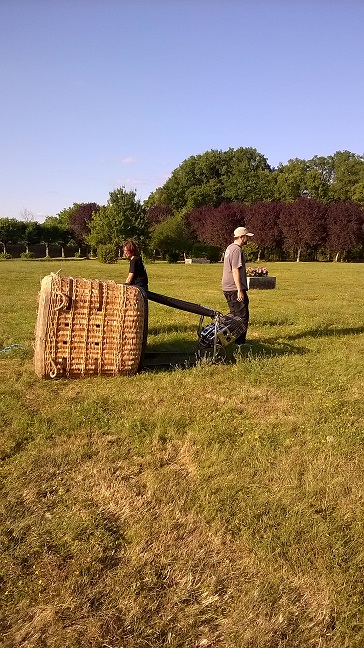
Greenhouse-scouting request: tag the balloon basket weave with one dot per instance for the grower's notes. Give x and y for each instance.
(87, 327)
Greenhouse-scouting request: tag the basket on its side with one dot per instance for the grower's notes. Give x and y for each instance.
(87, 327)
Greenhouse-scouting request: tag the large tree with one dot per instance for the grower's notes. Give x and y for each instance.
(124, 217)
(304, 178)
(11, 231)
(249, 177)
(196, 181)
(31, 234)
(52, 231)
(263, 221)
(77, 220)
(291, 180)
(348, 173)
(215, 225)
(345, 223)
(171, 236)
(358, 193)
(303, 225)
(216, 177)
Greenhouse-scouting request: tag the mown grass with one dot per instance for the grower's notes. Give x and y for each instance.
(219, 505)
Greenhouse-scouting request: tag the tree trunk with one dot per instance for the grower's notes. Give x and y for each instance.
(298, 254)
(337, 257)
(47, 249)
(258, 257)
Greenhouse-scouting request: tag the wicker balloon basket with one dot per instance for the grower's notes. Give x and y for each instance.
(89, 327)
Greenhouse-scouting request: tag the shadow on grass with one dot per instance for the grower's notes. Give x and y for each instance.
(330, 330)
(172, 346)
(187, 355)
(172, 328)
(265, 349)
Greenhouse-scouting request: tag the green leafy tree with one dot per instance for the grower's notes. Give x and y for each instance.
(335, 177)
(156, 198)
(171, 236)
(31, 234)
(244, 175)
(64, 216)
(358, 193)
(291, 180)
(11, 231)
(217, 177)
(51, 232)
(124, 217)
(320, 174)
(107, 253)
(348, 172)
(58, 232)
(249, 177)
(210, 193)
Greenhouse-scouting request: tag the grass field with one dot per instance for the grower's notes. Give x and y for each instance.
(218, 505)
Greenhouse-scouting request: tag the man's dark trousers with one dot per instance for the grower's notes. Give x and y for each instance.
(239, 309)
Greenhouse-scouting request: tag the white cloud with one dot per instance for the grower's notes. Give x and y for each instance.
(130, 182)
(133, 181)
(128, 160)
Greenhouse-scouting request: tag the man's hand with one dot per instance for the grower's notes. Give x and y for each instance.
(237, 281)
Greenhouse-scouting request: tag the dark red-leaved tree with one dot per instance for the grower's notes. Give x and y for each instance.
(80, 217)
(215, 225)
(303, 225)
(345, 222)
(263, 220)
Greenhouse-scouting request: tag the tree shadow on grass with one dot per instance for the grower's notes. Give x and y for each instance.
(329, 330)
(267, 348)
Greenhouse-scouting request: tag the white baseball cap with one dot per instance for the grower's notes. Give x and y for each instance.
(242, 231)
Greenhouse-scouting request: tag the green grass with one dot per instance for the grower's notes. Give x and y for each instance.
(220, 505)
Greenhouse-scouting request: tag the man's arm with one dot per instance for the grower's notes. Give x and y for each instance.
(236, 275)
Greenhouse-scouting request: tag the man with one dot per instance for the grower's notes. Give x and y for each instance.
(234, 281)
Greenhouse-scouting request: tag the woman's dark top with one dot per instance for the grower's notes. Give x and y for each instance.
(140, 277)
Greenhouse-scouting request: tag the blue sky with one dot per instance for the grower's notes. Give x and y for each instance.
(97, 94)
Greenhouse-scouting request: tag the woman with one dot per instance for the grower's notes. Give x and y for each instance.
(137, 273)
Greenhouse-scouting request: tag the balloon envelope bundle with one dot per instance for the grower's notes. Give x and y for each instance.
(225, 330)
(87, 327)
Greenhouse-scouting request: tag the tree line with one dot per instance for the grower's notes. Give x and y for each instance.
(305, 209)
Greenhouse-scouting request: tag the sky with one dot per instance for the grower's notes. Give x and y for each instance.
(100, 94)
